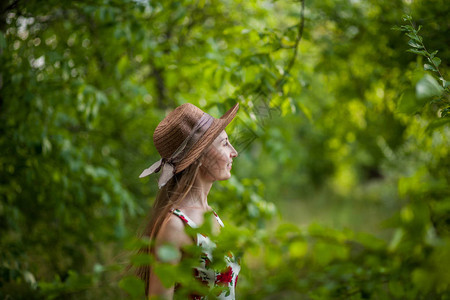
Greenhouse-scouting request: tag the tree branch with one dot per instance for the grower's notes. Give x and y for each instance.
(301, 26)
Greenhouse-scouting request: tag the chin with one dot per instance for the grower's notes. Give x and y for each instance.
(225, 176)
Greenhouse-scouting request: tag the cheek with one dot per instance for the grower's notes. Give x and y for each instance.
(215, 159)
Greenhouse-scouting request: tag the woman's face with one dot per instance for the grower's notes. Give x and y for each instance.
(216, 163)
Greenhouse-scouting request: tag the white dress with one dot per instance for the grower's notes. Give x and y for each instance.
(226, 278)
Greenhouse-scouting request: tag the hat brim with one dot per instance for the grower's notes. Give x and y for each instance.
(210, 135)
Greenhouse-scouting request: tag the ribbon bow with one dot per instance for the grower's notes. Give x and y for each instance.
(167, 165)
(168, 170)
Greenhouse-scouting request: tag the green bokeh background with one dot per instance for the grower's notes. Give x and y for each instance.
(341, 186)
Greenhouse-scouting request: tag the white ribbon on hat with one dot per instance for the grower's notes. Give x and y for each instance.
(167, 166)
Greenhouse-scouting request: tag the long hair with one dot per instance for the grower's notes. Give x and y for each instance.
(168, 197)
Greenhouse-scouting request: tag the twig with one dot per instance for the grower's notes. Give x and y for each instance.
(301, 26)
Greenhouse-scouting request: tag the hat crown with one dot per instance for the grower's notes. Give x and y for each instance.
(175, 128)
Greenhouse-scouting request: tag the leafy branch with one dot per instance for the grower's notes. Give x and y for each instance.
(301, 25)
(427, 87)
(418, 47)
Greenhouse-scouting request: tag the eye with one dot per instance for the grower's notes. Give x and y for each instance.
(225, 142)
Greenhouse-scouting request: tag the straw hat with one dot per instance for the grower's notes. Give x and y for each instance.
(182, 136)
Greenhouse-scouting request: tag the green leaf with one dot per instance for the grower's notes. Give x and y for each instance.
(421, 52)
(414, 44)
(436, 61)
(445, 112)
(29, 278)
(396, 239)
(167, 273)
(428, 87)
(428, 67)
(413, 37)
(133, 286)
(141, 259)
(434, 53)
(168, 253)
(406, 18)
(306, 111)
(408, 28)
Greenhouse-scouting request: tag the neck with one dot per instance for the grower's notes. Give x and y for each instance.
(198, 195)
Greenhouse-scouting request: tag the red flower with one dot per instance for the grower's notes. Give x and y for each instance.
(225, 277)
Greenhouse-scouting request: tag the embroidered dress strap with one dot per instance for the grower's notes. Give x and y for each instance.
(191, 223)
(218, 218)
(184, 218)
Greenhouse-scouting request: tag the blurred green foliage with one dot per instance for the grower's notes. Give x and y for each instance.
(340, 128)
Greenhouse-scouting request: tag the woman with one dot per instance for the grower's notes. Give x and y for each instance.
(195, 152)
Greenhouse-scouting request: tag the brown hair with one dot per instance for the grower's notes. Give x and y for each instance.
(168, 197)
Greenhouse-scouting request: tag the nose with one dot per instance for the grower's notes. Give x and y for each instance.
(234, 153)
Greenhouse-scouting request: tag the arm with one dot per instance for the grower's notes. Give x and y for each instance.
(171, 232)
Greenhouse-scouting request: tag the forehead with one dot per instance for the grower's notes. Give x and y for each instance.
(221, 136)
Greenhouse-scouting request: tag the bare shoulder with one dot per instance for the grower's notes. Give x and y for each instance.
(195, 214)
(198, 216)
(173, 231)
